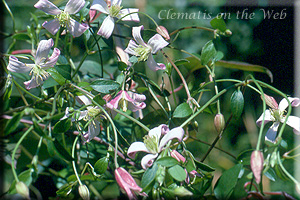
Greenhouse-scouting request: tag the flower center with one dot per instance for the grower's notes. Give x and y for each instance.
(114, 10)
(123, 104)
(93, 112)
(63, 18)
(277, 114)
(39, 73)
(151, 144)
(143, 52)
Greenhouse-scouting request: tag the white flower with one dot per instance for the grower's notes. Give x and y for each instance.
(144, 51)
(277, 114)
(41, 64)
(114, 10)
(153, 145)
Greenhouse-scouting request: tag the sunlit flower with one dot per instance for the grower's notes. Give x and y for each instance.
(62, 17)
(41, 64)
(144, 51)
(113, 10)
(276, 114)
(127, 183)
(153, 145)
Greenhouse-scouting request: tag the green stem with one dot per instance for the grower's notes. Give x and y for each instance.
(192, 27)
(11, 15)
(73, 161)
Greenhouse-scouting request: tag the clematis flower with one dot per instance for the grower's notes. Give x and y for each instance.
(276, 115)
(127, 183)
(144, 51)
(153, 145)
(41, 64)
(127, 100)
(62, 17)
(113, 10)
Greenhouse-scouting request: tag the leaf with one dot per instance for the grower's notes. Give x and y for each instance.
(177, 172)
(270, 173)
(62, 126)
(167, 161)
(64, 190)
(13, 123)
(182, 111)
(105, 86)
(64, 70)
(237, 103)
(199, 164)
(208, 53)
(181, 62)
(244, 157)
(101, 165)
(122, 66)
(218, 23)
(57, 76)
(21, 36)
(149, 177)
(62, 151)
(227, 182)
(25, 177)
(50, 148)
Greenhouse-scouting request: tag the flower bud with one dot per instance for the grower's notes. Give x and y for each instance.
(22, 189)
(182, 191)
(228, 33)
(163, 32)
(107, 97)
(257, 165)
(219, 122)
(271, 102)
(84, 192)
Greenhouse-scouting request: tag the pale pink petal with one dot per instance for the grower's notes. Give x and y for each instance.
(82, 99)
(74, 6)
(93, 130)
(154, 66)
(294, 122)
(136, 33)
(295, 102)
(133, 17)
(43, 50)
(100, 5)
(158, 131)
(47, 7)
(156, 43)
(136, 147)
(51, 61)
(116, 2)
(137, 97)
(131, 48)
(76, 29)
(148, 160)
(52, 26)
(94, 14)
(268, 118)
(135, 106)
(34, 82)
(114, 103)
(14, 65)
(177, 156)
(107, 27)
(177, 132)
(272, 132)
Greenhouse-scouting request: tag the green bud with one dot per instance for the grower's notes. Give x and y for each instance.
(182, 191)
(219, 122)
(22, 189)
(84, 192)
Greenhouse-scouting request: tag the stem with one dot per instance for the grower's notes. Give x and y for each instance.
(192, 27)
(73, 161)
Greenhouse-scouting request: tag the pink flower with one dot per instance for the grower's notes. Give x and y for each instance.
(114, 10)
(41, 64)
(144, 51)
(127, 183)
(153, 145)
(276, 115)
(62, 17)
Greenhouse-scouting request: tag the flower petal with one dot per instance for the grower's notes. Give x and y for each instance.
(295, 102)
(82, 99)
(76, 29)
(34, 82)
(135, 106)
(14, 65)
(154, 66)
(107, 27)
(156, 43)
(272, 132)
(47, 7)
(133, 17)
(100, 5)
(136, 33)
(74, 6)
(147, 160)
(93, 129)
(268, 118)
(43, 50)
(136, 147)
(158, 131)
(131, 48)
(51, 61)
(114, 103)
(294, 122)
(52, 26)
(177, 132)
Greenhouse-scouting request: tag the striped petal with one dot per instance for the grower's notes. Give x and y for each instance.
(148, 160)
(43, 50)
(100, 5)
(136, 147)
(52, 26)
(132, 17)
(74, 6)
(157, 43)
(14, 65)
(47, 7)
(107, 27)
(177, 132)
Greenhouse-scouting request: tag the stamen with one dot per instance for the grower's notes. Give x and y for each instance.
(39, 73)
(143, 52)
(114, 10)
(151, 144)
(63, 18)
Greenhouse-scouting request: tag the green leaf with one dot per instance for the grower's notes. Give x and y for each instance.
(64, 70)
(167, 161)
(148, 178)
(101, 165)
(13, 123)
(199, 164)
(64, 190)
(182, 111)
(21, 36)
(62, 126)
(62, 151)
(99, 100)
(177, 172)
(57, 76)
(227, 182)
(218, 23)
(245, 157)
(25, 177)
(105, 86)
(50, 148)
(270, 173)
(208, 53)
(122, 66)
(181, 62)
(237, 103)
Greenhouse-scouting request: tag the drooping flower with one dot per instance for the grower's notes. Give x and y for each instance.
(127, 183)
(41, 63)
(153, 145)
(277, 114)
(113, 10)
(144, 51)
(62, 17)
